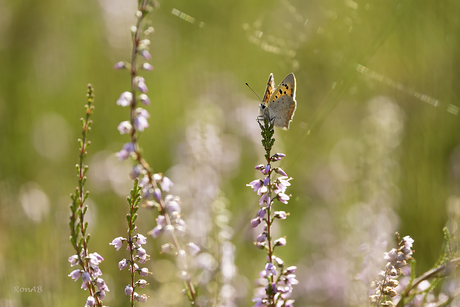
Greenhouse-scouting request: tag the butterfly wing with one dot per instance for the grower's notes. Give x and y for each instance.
(269, 90)
(281, 105)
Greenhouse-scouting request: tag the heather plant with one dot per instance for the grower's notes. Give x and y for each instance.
(276, 280)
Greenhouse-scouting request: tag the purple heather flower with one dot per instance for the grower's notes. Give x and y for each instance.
(128, 290)
(86, 278)
(157, 195)
(96, 271)
(259, 167)
(408, 241)
(260, 245)
(144, 99)
(141, 252)
(146, 54)
(193, 248)
(101, 285)
(283, 198)
(274, 288)
(117, 242)
(141, 239)
(124, 127)
(261, 213)
(266, 181)
(119, 65)
(262, 237)
(155, 232)
(256, 185)
(258, 302)
(141, 85)
(98, 257)
(161, 220)
(166, 184)
(142, 283)
(140, 122)
(270, 269)
(101, 294)
(267, 169)
(140, 298)
(280, 242)
(90, 301)
(280, 215)
(75, 274)
(281, 184)
(277, 156)
(144, 181)
(291, 269)
(125, 99)
(123, 154)
(280, 171)
(265, 199)
(136, 171)
(171, 204)
(289, 303)
(147, 66)
(290, 279)
(255, 222)
(73, 260)
(279, 262)
(122, 264)
(144, 272)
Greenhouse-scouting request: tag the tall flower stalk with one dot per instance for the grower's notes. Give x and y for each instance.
(154, 187)
(89, 262)
(137, 254)
(275, 280)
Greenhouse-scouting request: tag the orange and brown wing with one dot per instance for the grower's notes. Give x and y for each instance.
(286, 87)
(269, 89)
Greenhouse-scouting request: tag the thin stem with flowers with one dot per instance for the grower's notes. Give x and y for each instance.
(79, 238)
(153, 185)
(276, 281)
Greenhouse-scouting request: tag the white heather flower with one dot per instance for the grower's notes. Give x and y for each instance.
(125, 99)
(117, 242)
(144, 272)
(141, 252)
(144, 99)
(90, 302)
(147, 66)
(146, 54)
(142, 283)
(75, 274)
(73, 260)
(128, 290)
(86, 278)
(166, 184)
(122, 264)
(140, 122)
(124, 127)
(124, 153)
(141, 239)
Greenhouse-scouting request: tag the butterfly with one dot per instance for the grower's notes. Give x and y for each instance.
(278, 105)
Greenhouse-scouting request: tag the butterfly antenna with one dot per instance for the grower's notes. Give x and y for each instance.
(252, 90)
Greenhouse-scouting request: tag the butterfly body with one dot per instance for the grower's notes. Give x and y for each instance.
(278, 105)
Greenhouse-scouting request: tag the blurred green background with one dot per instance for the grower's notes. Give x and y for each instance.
(373, 148)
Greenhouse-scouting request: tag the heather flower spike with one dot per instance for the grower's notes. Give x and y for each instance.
(152, 188)
(276, 282)
(387, 283)
(89, 270)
